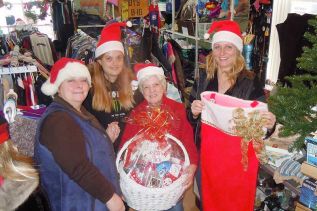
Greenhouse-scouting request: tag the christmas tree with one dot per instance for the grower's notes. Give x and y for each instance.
(295, 106)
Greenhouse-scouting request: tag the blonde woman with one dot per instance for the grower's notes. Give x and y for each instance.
(111, 96)
(224, 73)
(18, 178)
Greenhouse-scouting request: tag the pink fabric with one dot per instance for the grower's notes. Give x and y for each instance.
(220, 108)
(27, 92)
(1, 181)
(171, 59)
(33, 95)
(115, 2)
(223, 100)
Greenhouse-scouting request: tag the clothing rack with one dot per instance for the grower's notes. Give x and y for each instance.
(89, 26)
(42, 70)
(19, 69)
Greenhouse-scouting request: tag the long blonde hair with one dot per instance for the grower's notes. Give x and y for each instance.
(211, 67)
(15, 166)
(101, 88)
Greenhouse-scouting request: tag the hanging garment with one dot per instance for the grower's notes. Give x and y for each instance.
(291, 43)
(62, 22)
(149, 44)
(171, 59)
(155, 20)
(22, 132)
(42, 48)
(33, 95)
(225, 183)
(3, 47)
(27, 92)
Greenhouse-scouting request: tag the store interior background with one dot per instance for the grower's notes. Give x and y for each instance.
(281, 8)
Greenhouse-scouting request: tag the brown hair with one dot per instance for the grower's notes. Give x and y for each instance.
(211, 67)
(101, 87)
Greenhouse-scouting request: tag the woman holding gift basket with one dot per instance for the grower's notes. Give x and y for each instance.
(223, 116)
(157, 155)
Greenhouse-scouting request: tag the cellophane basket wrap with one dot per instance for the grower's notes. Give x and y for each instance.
(139, 194)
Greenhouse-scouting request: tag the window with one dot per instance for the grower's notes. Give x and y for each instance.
(13, 10)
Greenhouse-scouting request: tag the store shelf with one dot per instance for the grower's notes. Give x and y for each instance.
(184, 35)
(187, 36)
(289, 184)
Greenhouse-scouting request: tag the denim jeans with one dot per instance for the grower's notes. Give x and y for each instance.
(178, 206)
(198, 179)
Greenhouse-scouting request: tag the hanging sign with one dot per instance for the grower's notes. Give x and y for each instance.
(124, 10)
(138, 8)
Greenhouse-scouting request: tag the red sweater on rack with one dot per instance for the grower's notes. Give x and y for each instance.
(184, 131)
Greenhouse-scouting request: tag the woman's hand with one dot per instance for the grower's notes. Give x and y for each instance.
(196, 108)
(190, 173)
(115, 203)
(270, 119)
(113, 131)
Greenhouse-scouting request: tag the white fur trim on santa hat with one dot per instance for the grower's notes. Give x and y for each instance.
(150, 70)
(226, 36)
(71, 70)
(109, 46)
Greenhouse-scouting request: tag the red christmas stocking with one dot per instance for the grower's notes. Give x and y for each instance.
(225, 184)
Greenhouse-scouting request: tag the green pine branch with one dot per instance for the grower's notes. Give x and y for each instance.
(293, 105)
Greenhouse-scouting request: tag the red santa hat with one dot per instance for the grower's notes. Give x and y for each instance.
(225, 31)
(143, 70)
(63, 69)
(110, 38)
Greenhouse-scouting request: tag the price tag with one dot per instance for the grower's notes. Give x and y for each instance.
(138, 8)
(185, 30)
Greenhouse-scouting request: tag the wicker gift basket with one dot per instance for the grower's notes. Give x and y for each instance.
(140, 197)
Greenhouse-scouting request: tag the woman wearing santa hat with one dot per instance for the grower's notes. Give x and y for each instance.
(74, 155)
(111, 96)
(224, 73)
(152, 85)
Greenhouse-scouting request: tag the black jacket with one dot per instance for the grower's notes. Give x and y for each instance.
(247, 87)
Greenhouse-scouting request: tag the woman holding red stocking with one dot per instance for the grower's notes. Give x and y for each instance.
(225, 183)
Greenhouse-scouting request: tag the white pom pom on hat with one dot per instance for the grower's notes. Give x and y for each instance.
(206, 36)
(63, 69)
(110, 38)
(225, 31)
(129, 24)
